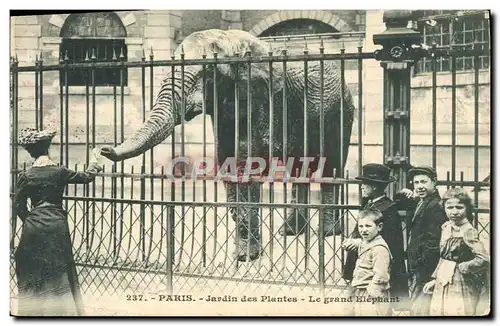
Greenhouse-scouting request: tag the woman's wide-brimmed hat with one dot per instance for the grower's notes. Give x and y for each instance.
(32, 136)
(376, 173)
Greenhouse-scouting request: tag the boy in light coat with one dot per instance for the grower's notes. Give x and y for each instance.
(372, 272)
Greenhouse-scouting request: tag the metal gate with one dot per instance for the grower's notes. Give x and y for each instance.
(137, 230)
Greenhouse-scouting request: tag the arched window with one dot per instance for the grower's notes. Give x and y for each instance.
(298, 27)
(100, 34)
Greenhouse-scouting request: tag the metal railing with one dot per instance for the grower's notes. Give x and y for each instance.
(133, 229)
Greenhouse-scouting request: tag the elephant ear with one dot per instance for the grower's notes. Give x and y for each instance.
(260, 75)
(227, 43)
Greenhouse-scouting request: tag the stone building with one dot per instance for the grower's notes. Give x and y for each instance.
(129, 34)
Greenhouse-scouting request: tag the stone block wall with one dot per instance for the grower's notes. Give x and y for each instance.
(35, 35)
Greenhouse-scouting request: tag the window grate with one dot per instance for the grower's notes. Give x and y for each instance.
(95, 36)
(78, 50)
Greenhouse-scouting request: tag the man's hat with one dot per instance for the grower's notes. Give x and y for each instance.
(378, 173)
(32, 136)
(422, 170)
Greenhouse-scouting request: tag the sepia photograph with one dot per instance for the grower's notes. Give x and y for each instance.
(332, 163)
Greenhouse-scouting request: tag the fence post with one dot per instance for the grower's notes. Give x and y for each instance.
(401, 50)
(14, 146)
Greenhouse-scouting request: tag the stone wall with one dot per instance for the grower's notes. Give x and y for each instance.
(32, 35)
(252, 18)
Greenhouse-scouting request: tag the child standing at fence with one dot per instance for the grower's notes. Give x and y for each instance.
(461, 273)
(45, 269)
(371, 275)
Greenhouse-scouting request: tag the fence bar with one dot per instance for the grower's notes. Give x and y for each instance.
(40, 108)
(87, 145)
(341, 130)
(94, 59)
(228, 60)
(453, 116)
(142, 217)
(75, 192)
(249, 149)
(321, 234)
(237, 152)
(122, 139)
(61, 110)
(443, 52)
(102, 234)
(304, 170)
(163, 228)
(193, 224)
(346, 225)
(66, 122)
(66, 118)
(142, 220)
(270, 157)
(183, 183)
(329, 180)
(448, 180)
(14, 154)
(143, 101)
(360, 116)
(308, 225)
(342, 104)
(434, 107)
(216, 144)
(114, 191)
(298, 197)
(131, 218)
(405, 123)
(229, 204)
(285, 148)
(151, 153)
(169, 243)
(476, 131)
(37, 73)
(204, 115)
(171, 209)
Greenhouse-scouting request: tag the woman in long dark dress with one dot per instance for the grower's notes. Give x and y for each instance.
(45, 268)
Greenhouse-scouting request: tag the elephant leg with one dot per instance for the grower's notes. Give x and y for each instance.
(297, 218)
(332, 216)
(247, 219)
(332, 224)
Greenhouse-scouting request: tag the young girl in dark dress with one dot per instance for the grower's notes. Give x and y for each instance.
(45, 268)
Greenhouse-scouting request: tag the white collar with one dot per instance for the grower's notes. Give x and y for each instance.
(376, 199)
(43, 160)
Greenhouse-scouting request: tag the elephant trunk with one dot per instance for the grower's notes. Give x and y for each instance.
(158, 126)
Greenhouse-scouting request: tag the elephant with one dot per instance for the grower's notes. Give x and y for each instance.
(166, 113)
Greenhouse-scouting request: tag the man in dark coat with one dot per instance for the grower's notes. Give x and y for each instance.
(424, 233)
(375, 179)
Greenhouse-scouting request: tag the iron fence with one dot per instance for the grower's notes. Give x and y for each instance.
(135, 229)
